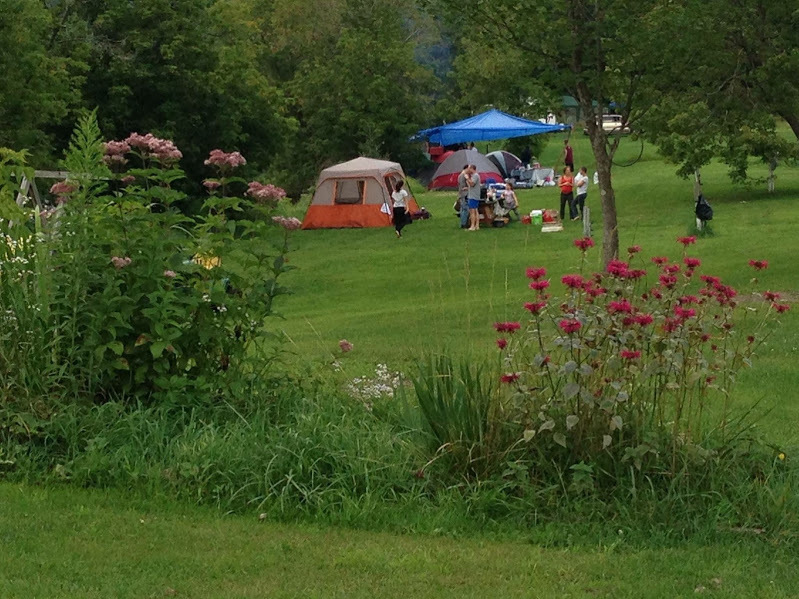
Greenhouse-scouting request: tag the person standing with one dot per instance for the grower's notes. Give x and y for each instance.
(568, 155)
(509, 199)
(566, 184)
(581, 185)
(463, 203)
(401, 210)
(473, 197)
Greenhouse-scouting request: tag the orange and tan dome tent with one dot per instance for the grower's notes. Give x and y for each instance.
(356, 194)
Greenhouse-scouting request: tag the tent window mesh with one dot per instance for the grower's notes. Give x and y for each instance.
(350, 191)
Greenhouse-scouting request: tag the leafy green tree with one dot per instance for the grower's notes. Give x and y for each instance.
(38, 87)
(595, 50)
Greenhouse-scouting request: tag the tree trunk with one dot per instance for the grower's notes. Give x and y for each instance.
(793, 122)
(610, 227)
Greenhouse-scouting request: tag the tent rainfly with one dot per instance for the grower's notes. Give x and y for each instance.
(351, 195)
(487, 126)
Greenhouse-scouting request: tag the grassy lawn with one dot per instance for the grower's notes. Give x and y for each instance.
(440, 288)
(86, 544)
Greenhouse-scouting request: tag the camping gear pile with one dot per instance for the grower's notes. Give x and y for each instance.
(535, 176)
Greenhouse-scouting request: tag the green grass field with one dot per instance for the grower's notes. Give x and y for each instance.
(65, 543)
(439, 287)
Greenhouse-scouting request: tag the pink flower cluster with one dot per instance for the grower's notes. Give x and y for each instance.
(115, 152)
(62, 189)
(162, 150)
(225, 159)
(584, 243)
(264, 193)
(510, 377)
(290, 224)
(759, 264)
(573, 281)
(211, 184)
(120, 263)
(170, 274)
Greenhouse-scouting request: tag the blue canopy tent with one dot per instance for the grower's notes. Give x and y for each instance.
(487, 126)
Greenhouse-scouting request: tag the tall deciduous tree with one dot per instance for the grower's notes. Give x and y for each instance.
(595, 50)
(38, 86)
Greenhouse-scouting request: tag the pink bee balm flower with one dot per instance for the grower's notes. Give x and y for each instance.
(636, 273)
(573, 281)
(507, 327)
(345, 346)
(780, 308)
(539, 285)
(570, 326)
(627, 354)
(510, 377)
(691, 262)
(535, 307)
(170, 274)
(660, 260)
(643, 319)
(536, 273)
(686, 241)
(758, 264)
(502, 343)
(584, 243)
(771, 296)
(688, 299)
(710, 280)
(633, 249)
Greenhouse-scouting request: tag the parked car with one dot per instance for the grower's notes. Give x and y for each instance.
(612, 123)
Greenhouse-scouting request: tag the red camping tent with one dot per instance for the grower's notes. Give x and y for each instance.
(446, 176)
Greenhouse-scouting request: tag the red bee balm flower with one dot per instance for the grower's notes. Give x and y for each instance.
(617, 268)
(758, 264)
(780, 308)
(686, 241)
(573, 281)
(620, 306)
(507, 327)
(539, 285)
(660, 260)
(633, 249)
(536, 273)
(771, 295)
(510, 377)
(643, 319)
(535, 307)
(502, 343)
(627, 354)
(691, 262)
(570, 326)
(584, 243)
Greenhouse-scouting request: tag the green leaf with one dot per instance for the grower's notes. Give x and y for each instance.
(560, 439)
(571, 421)
(528, 435)
(157, 348)
(116, 347)
(571, 390)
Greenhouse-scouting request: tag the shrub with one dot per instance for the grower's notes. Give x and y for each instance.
(620, 374)
(114, 293)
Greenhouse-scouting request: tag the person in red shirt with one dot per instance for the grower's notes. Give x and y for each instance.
(568, 155)
(566, 184)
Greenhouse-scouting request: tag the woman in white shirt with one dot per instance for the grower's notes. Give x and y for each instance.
(401, 211)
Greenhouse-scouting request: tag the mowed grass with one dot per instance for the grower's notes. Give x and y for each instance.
(65, 543)
(440, 288)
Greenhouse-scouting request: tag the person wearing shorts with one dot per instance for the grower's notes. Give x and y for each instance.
(473, 197)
